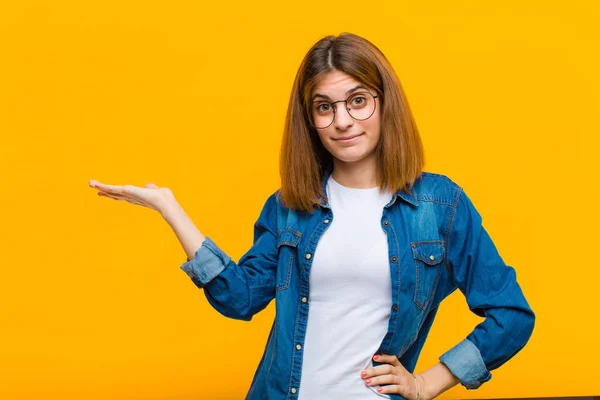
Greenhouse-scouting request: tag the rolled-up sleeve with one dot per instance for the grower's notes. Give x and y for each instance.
(208, 262)
(491, 290)
(466, 363)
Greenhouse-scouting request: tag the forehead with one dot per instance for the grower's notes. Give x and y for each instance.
(335, 83)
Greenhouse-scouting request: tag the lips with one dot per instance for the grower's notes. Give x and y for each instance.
(346, 138)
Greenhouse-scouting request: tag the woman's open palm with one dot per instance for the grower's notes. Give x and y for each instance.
(150, 195)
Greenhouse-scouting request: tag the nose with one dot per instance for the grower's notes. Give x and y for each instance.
(343, 120)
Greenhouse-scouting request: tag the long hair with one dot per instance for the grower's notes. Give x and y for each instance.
(304, 159)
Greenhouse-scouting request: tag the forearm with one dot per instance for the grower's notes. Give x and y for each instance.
(435, 381)
(188, 235)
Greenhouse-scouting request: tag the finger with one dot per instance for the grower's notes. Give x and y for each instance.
(108, 188)
(393, 389)
(124, 198)
(404, 385)
(151, 185)
(378, 370)
(387, 358)
(396, 377)
(115, 196)
(110, 196)
(389, 379)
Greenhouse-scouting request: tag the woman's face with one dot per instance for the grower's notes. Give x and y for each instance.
(347, 139)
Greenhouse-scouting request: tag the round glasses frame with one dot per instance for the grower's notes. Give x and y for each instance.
(332, 104)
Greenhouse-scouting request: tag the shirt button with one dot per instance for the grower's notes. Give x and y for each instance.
(304, 299)
(431, 258)
(307, 256)
(293, 390)
(298, 347)
(394, 259)
(386, 223)
(395, 308)
(326, 221)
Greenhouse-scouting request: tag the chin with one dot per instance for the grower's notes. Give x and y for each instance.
(346, 157)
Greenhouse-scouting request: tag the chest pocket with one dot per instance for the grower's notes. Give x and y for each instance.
(428, 257)
(287, 249)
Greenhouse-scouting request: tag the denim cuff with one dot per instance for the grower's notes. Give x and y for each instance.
(208, 262)
(465, 362)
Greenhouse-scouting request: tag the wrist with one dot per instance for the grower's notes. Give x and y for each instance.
(169, 207)
(424, 390)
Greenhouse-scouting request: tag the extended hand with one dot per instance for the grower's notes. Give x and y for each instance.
(395, 376)
(150, 195)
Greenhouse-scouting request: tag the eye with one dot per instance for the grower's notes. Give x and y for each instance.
(358, 101)
(323, 108)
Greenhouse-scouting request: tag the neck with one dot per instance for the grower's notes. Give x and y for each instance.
(357, 175)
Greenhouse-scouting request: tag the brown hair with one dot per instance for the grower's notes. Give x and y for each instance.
(304, 159)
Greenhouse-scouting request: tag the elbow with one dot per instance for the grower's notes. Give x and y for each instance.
(231, 308)
(519, 330)
(515, 336)
(526, 326)
(522, 325)
(515, 321)
(235, 314)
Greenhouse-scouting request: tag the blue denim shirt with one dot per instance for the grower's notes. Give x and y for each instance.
(436, 244)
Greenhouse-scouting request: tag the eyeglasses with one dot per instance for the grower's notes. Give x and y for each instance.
(360, 106)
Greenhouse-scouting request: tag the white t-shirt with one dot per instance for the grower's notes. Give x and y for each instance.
(350, 297)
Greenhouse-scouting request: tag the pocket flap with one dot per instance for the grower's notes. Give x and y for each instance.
(430, 252)
(288, 237)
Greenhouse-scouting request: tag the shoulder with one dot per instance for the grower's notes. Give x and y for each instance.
(275, 207)
(437, 188)
(268, 214)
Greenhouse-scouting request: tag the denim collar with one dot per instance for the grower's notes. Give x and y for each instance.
(410, 197)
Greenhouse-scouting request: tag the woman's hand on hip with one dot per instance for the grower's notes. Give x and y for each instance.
(395, 377)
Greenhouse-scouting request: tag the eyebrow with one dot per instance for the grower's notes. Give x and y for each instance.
(348, 93)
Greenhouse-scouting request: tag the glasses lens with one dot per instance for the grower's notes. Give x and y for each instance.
(322, 114)
(361, 105)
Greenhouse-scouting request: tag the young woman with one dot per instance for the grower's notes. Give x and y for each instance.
(358, 247)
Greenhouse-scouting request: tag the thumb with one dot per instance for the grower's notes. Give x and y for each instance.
(150, 185)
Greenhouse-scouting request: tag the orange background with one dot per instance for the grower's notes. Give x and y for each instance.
(192, 96)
